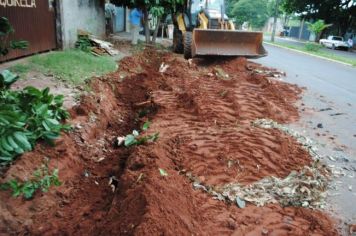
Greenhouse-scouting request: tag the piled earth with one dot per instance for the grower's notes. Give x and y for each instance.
(203, 110)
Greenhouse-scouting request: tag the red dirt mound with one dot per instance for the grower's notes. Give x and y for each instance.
(203, 111)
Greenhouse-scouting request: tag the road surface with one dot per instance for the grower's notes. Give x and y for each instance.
(328, 111)
(293, 42)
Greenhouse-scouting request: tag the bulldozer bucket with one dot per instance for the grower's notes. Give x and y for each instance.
(213, 42)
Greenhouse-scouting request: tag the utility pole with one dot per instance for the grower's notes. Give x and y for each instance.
(276, 9)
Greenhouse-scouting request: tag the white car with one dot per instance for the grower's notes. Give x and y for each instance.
(335, 42)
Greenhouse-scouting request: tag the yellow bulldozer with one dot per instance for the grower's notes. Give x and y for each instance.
(201, 28)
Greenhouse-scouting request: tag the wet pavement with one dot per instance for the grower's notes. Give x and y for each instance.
(328, 116)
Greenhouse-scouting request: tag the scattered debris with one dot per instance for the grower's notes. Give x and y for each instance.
(120, 141)
(306, 142)
(305, 188)
(88, 42)
(326, 109)
(103, 45)
(100, 159)
(268, 72)
(163, 68)
(113, 183)
(223, 93)
(86, 173)
(240, 203)
(219, 72)
(78, 126)
(139, 178)
(331, 158)
(338, 114)
(352, 230)
(162, 172)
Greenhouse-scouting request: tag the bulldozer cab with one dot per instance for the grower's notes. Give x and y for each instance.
(211, 8)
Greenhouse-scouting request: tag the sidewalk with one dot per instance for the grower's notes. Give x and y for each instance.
(126, 36)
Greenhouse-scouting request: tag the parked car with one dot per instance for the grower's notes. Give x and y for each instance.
(335, 42)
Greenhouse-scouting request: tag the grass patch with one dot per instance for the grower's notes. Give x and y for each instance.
(73, 66)
(20, 69)
(313, 47)
(328, 55)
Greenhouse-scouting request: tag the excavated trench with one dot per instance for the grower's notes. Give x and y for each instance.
(203, 112)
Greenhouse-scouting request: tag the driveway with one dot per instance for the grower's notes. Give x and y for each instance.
(328, 115)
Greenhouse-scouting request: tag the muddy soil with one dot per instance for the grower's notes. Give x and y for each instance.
(203, 111)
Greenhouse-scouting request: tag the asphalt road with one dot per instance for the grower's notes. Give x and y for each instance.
(329, 85)
(347, 54)
(328, 115)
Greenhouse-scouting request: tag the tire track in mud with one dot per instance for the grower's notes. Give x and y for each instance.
(205, 129)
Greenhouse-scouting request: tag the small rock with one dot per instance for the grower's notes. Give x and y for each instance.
(86, 173)
(59, 214)
(264, 231)
(320, 126)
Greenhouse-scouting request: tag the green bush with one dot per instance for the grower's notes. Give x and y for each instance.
(42, 180)
(26, 116)
(313, 47)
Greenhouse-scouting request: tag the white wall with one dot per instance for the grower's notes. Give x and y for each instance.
(269, 25)
(88, 15)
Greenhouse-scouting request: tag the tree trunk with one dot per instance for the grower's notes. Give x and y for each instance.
(147, 29)
(156, 30)
(301, 28)
(275, 20)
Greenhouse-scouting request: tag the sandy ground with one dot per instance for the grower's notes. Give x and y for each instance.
(203, 111)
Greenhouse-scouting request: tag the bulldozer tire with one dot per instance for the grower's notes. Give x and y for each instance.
(188, 45)
(178, 46)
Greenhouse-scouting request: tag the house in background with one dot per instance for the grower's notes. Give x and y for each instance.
(269, 26)
(52, 24)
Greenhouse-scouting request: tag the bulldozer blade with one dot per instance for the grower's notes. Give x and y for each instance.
(227, 43)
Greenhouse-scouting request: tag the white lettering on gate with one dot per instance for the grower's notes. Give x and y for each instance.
(18, 3)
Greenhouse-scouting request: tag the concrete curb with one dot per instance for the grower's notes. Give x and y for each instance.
(312, 55)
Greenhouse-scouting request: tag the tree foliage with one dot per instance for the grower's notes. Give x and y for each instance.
(317, 28)
(255, 12)
(342, 13)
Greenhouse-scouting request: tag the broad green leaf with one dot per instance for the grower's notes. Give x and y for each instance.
(163, 172)
(130, 140)
(146, 125)
(135, 133)
(22, 141)
(7, 78)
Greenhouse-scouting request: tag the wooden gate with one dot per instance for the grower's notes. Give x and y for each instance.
(33, 21)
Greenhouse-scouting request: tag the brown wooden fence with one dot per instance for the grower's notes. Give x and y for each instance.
(33, 21)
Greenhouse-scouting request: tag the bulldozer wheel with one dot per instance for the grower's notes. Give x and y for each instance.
(188, 45)
(178, 46)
